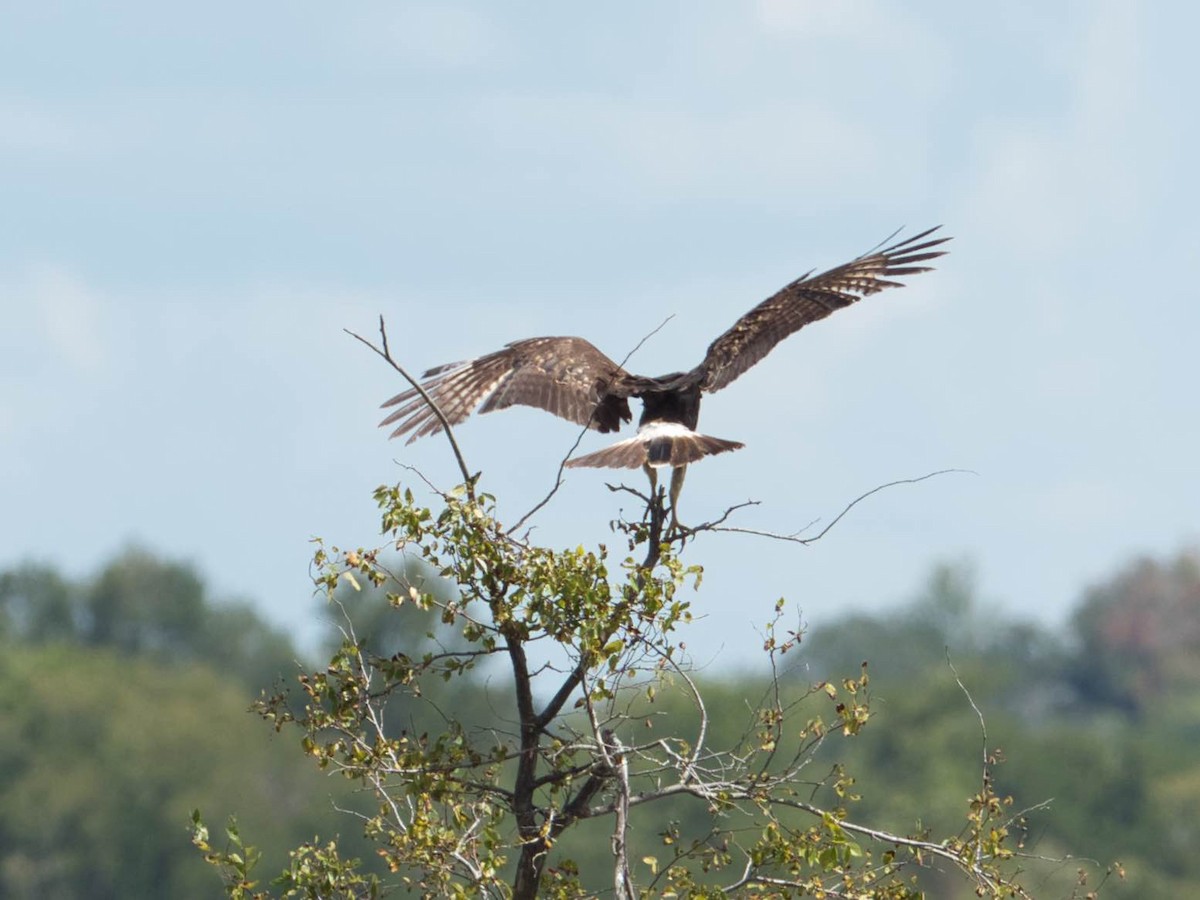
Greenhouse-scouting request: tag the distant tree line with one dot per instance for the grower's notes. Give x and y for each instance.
(123, 700)
(144, 606)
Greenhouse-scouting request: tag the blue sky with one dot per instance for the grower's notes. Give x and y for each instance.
(195, 202)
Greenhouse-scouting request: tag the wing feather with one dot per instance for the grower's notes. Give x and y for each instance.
(807, 299)
(566, 376)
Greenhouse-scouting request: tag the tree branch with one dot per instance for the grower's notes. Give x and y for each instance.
(533, 844)
(386, 354)
(794, 537)
(623, 888)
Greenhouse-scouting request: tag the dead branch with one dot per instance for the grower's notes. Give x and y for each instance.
(386, 353)
(979, 714)
(715, 525)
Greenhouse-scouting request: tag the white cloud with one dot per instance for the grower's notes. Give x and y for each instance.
(888, 27)
(26, 128)
(10, 385)
(1077, 504)
(760, 151)
(1025, 190)
(55, 354)
(778, 146)
(71, 315)
(821, 18)
(432, 35)
(1044, 182)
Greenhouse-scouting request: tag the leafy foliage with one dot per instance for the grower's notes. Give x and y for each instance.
(103, 749)
(587, 649)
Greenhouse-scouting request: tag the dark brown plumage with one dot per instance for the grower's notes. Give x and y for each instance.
(569, 377)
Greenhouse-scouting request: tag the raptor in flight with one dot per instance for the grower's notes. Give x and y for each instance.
(569, 377)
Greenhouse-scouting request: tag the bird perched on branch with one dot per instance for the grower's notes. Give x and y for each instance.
(569, 377)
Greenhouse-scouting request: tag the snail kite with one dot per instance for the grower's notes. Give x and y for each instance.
(569, 377)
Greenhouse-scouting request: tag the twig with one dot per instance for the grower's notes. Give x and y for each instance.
(624, 488)
(638, 346)
(794, 537)
(386, 353)
(429, 484)
(558, 481)
(712, 526)
(985, 776)
(971, 700)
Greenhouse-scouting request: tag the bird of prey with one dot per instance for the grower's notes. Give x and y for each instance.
(569, 377)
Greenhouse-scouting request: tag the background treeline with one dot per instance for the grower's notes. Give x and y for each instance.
(123, 703)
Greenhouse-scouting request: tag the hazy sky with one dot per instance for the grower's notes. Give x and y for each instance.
(195, 201)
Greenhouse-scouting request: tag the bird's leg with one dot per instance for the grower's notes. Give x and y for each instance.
(677, 475)
(652, 474)
(655, 509)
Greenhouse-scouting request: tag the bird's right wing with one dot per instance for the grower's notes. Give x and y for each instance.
(566, 376)
(809, 299)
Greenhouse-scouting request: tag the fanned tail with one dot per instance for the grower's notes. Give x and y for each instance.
(628, 454)
(656, 445)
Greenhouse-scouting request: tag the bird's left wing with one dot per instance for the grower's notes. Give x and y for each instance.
(808, 299)
(566, 376)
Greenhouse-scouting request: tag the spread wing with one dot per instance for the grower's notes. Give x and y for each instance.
(566, 376)
(808, 299)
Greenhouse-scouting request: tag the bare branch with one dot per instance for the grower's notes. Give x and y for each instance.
(794, 537)
(386, 354)
(623, 888)
(978, 713)
(624, 488)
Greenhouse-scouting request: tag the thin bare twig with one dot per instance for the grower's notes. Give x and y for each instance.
(386, 354)
(978, 712)
(624, 488)
(985, 776)
(685, 531)
(429, 484)
(794, 537)
(651, 333)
